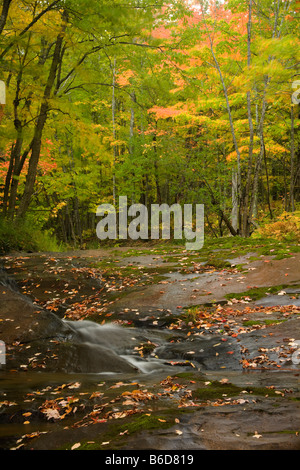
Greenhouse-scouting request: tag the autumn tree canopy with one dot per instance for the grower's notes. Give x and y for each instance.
(186, 102)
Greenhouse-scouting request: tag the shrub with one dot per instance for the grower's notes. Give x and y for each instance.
(24, 236)
(285, 228)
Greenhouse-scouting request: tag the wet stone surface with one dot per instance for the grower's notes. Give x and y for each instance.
(145, 352)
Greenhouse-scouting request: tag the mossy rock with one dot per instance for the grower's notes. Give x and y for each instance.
(216, 390)
(218, 263)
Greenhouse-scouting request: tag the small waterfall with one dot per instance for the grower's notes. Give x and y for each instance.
(111, 348)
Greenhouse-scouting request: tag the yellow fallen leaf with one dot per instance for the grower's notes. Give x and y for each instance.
(75, 446)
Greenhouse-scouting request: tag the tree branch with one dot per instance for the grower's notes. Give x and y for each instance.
(35, 19)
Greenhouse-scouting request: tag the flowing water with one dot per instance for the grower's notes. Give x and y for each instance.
(63, 358)
(111, 345)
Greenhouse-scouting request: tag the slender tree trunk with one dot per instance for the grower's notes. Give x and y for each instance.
(292, 182)
(114, 130)
(235, 203)
(15, 159)
(268, 185)
(297, 162)
(41, 120)
(238, 188)
(156, 172)
(4, 14)
(245, 214)
(77, 221)
(8, 182)
(258, 162)
(220, 211)
(73, 235)
(131, 144)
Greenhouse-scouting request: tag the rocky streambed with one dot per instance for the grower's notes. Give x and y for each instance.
(110, 351)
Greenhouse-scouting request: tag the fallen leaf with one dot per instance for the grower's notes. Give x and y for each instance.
(75, 446)
(52, 413)
(224, 381)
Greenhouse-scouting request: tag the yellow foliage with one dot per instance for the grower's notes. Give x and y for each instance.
(285, 227)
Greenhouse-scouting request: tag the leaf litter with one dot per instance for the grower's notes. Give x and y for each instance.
(95, 407)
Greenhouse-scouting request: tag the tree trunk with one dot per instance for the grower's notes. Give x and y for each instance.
(245, 228)
(15, 160)
(292, 182)
(114, 131)
(8, 182)
(4, 13)
(41, 120)
(235, 204)
(131, 143)
(237, 188)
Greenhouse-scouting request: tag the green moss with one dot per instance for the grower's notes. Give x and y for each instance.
(216, 390)
(283, 431)
(262, 246)
(263, 322)
(191, 314)
(252, 322)
(136, 423)
(258, 292)
(218, 263)
(146, 422)
(189, 376)
(282, 256)
(272, 322)
(147, 348)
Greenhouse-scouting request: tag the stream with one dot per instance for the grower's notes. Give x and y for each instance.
(137, 359)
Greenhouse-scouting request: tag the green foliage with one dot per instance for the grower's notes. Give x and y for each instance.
(25, 236)
(138, 108)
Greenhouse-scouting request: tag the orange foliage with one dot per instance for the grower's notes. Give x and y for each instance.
(124, 77)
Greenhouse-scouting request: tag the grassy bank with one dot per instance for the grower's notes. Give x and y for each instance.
(25, 236)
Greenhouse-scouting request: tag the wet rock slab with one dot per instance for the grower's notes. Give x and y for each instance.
(37, 338)
(268, 426)
(43, 342)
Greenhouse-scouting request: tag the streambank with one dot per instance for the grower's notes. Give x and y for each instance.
(87, 363)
